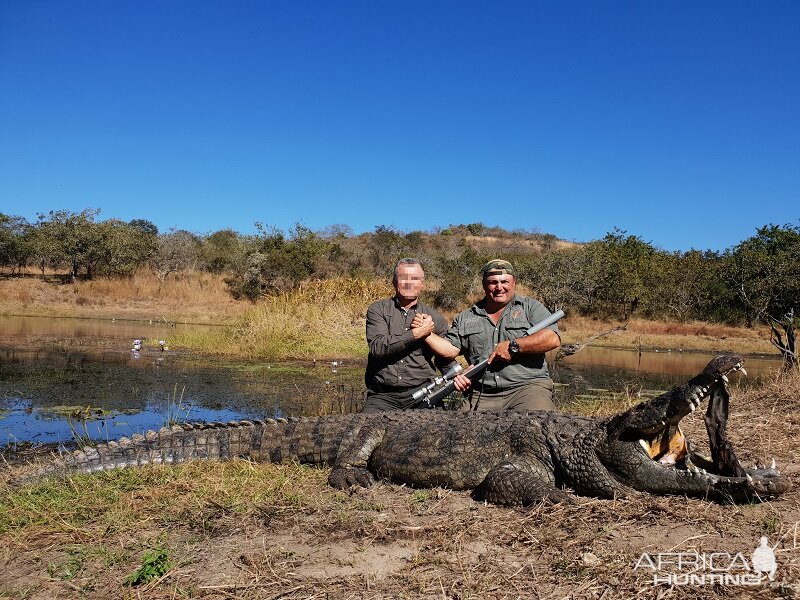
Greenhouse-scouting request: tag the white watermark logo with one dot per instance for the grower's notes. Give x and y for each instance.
(711, 568)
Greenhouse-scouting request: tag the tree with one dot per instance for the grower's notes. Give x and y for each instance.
(176, 251)
(71, 238)
(476, 229)
(388, 246)
(627, 261)
(145, 226)
(222, 251)
(686, 284)
(457, 275)
(763, 272)
(15, 242)
(787, 347)
(278, 264)
(123, 247)
(570, 278)
(337, 231)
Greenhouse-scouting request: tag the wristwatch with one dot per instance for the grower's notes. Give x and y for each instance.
(513, 347)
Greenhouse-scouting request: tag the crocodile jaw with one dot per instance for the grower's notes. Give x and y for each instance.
(650, 453)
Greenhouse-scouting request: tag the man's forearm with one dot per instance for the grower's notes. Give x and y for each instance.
(540, 342)
(441, 347)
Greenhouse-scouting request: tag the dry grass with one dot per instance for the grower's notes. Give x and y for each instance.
(184, 297)
(322, 319)
(649, 335)
(239, 530)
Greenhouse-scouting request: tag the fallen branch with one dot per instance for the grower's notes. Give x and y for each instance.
(570, 349)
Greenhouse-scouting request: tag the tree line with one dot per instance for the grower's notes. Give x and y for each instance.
(620, 275)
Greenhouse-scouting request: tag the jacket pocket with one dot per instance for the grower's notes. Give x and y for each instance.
(516, 330)
(475, 340)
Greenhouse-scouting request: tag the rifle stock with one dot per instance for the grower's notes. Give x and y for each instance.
(434, 394)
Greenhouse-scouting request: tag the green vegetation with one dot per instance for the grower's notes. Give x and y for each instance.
(156, 562)
(177, 411)
(169, 494)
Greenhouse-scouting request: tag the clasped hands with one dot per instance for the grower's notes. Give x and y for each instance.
(422, 326)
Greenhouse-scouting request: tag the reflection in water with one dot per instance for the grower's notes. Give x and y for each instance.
(595, 371)
(49, 364)
(667, 363)
(42, 329)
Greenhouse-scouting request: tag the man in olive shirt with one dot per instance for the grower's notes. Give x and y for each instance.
(495, 327)
(399, 361)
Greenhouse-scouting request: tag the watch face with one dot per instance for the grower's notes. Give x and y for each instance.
(513, 347)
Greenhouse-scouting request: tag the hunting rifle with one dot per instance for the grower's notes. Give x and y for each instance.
(433, 394)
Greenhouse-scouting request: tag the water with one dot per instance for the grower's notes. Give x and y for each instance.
(65, 377)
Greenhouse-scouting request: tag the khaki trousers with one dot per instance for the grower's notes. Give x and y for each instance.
(536, 395)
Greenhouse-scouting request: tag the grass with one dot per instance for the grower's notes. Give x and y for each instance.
(115, 501)
(184, 297)
(177, 412)
(649, 335)
(322, 319)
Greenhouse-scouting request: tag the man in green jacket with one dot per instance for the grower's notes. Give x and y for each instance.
(517, 377)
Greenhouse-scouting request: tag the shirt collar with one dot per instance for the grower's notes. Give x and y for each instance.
(397, 304)
(479, 307)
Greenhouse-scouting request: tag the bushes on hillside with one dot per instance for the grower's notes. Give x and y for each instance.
(616, 276)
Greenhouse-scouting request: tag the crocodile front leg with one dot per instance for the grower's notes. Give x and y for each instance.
(355, 451)
(520, 480)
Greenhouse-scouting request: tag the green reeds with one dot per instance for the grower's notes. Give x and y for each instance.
(78, 421)
(177, 412)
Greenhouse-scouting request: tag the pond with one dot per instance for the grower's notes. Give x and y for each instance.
(64, 378)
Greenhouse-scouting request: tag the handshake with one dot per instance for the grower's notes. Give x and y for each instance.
(422, 326)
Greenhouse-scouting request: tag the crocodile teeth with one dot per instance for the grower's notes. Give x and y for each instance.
(773, 466)
(749, 479)
(743, 371)
(725, 378)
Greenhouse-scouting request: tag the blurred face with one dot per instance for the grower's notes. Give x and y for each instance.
(408, 281)
(499, 289)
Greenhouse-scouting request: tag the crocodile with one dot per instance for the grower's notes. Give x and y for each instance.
(508, 458)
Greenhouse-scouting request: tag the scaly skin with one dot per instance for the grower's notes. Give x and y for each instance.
(506, 458)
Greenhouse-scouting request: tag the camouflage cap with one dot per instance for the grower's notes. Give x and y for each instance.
(497, 266)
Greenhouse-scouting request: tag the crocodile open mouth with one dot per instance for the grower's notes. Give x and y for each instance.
(669, 446)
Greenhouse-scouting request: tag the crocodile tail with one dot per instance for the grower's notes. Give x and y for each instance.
(308, 440)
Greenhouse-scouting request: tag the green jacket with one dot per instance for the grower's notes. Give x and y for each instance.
(476, 336)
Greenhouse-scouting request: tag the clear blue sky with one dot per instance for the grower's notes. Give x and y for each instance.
(677, 121)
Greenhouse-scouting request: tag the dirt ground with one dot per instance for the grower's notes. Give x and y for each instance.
(394, 542)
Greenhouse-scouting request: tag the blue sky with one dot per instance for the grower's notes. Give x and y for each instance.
(676, 121)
